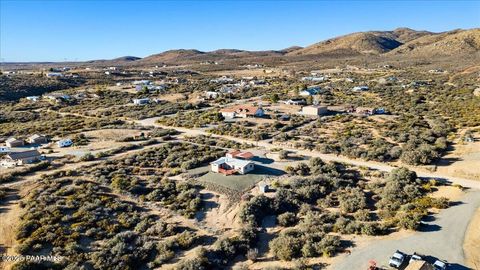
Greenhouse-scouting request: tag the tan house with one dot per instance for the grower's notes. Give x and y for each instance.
(419, 265)
(365, 110)
(314, 110)
(37, 139)
(14, 142)
(242, 111)
(19, 158)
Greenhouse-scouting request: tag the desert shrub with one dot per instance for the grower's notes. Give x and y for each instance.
(287, 219)
(352, 200)
(286, 247)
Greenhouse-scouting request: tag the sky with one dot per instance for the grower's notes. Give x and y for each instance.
(85, 29)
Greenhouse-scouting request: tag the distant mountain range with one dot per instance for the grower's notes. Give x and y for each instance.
(401, 43)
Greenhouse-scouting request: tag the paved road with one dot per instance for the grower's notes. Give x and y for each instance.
(441, 238)
(327, 157)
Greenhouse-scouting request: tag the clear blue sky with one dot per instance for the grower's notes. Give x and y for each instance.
(85, 30)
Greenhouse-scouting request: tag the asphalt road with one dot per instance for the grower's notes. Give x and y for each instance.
(442, 237)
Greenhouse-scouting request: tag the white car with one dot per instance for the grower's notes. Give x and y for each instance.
(440, 265)
(415, 257)
(397, 259)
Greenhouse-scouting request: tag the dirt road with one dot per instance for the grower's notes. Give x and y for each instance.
(442, 237)
(327, 157)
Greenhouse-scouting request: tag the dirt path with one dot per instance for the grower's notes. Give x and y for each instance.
(10, 213)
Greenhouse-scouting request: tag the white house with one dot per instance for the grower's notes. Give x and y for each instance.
(211, 94)
(54, 74)
(141, 101)
(13, 159)
(5, 149)
(230, 166)
(65, 143)
(242, 111)
(296, 101)
(310, 91)
(313, 79)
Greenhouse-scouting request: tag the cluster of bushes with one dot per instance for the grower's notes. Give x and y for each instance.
(303, 200)
(192, 119)
(54, 125)
(142, 174)
(79, 220)
(295, 243)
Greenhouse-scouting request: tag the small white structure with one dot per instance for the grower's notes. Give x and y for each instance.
(360, 88)
(262, 187)
(242, 111)
(211, 94)
(65, 143)
(310, 91)
(54, 74)
(33, 98)
(230, 166)
(5, 149)
(297, 101)
(313, 79)
(141, 101)
(314, 110)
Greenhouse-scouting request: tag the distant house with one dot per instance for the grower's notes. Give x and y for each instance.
(223, 79)
(296, 101)
(310, 91)
(211, 94)
(229, 166)
(141, 101)
(54, 74)
(37, 139)
(5, 149)
(360, 88)
(33, 98)
(142, 82)
(242, 111)
(365, 110)
(13, 142)
(314, 110)
(13, 159)
(240, 155)
(476, 92)
(313, 79)
(65, 143)
(58, 97)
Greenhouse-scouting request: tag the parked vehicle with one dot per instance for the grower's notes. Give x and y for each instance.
(415, 257)
(440, 265)
(397, 259)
